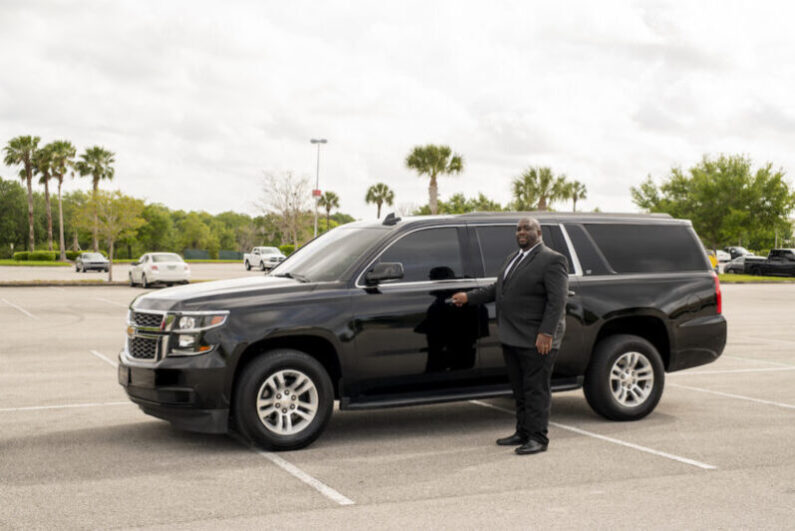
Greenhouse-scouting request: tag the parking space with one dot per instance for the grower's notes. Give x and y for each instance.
(74, 452)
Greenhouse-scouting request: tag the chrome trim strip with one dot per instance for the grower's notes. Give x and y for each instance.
(572, 252)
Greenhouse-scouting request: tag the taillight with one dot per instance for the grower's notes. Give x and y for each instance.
(153, 268)
(718, 296)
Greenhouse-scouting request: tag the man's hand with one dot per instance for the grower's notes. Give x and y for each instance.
(544, 344)
(459, 299)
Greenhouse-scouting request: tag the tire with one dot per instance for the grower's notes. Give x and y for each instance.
(77, 269)
(262, 385)
(132, 283)
(144, 283)
(262, 266)
(625, 378)
(756, 271)
(248, 266)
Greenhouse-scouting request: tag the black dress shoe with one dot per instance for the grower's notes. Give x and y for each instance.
(531, 447)
(513, 440)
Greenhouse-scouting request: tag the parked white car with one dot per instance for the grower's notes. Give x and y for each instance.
(263, 258)
(162, 268)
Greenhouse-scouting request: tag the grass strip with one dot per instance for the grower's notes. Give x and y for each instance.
(753, 279)
(33, 263)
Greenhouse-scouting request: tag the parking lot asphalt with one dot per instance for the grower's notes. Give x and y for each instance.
(199, 271)
(717, 452)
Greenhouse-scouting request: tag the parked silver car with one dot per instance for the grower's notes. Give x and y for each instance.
(87, 261)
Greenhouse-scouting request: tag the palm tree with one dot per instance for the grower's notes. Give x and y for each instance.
(432, 160)
(329, 200)
(42, 163)
(98, 163)
(577, 191)
(63, 154)
(379, 193)
(538, 185)
(21, 150)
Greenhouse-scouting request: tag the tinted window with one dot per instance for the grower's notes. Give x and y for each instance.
(497, 242)
(432, 254)
(591, 259)
(648, 248)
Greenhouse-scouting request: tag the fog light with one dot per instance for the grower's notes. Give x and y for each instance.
(186, 341)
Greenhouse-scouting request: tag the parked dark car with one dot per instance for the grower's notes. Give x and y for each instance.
(737, 266)
(779, 262)
(361, 315)
(736, 251)
(90, 261)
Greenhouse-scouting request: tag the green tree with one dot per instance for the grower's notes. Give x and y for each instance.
(157, 234)
(434, 161)
(115, 216)
(22, 150)
(575, 190)
(379, 194)
(63, 155)
(96, 162)
(537, 188)
(329, 201)
(13, 226)
(43, 163)
(725, 200)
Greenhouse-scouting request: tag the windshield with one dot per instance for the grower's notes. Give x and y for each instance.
(93, 256)
(166, 257)
(328, 256)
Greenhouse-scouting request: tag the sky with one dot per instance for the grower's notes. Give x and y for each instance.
(201, 100)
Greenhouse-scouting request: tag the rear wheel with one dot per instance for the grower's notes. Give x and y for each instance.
(132, 282)
(756, 271)
(283, 400)
(625, 378)
(144, 283)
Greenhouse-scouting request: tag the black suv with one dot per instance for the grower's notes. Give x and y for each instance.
(361, 314)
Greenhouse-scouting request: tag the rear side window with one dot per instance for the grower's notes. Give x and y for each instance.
(431, 254)
(648, 248)
(497, 242)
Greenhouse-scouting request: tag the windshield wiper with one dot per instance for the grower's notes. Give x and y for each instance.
(296, 276)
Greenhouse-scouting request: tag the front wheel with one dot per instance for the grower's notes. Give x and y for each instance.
(625, 378)
(283, 400)
(248, 266)
(262, 266)
(756, 271)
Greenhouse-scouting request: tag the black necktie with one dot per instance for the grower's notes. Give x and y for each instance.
(513, 266)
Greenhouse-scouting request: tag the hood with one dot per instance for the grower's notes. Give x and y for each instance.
(219, 294)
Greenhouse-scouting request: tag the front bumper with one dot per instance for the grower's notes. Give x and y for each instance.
(186, 391)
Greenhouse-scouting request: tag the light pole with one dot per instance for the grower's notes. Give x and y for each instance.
(316, 191)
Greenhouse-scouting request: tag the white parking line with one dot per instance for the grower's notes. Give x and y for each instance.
(777, 363)
(112, 302)
(104, 358)
(730, 371)
(64, 406)
(20, 309)
(652, 451)
(316, 484)
(739, 397)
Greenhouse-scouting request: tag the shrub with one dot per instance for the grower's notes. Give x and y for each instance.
(287, 249)
(72, 255)
(21, 255)
(49, 256)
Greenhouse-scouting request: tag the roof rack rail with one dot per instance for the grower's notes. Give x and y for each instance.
(391, 219)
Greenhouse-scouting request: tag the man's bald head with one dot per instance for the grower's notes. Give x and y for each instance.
(528, 232)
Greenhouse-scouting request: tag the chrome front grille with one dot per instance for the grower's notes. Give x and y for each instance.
(152, 320)
(142, 348)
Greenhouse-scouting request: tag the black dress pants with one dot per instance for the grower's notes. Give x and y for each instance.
(530, 374)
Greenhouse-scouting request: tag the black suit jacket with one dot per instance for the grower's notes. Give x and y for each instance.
(532, 300)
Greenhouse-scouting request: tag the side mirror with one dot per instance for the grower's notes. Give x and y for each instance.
(384, 271)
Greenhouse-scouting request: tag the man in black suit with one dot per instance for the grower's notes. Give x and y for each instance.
(530, 291)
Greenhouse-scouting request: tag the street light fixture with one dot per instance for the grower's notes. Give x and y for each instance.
(316, 191)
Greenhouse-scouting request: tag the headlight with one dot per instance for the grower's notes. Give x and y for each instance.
(195, 321)
(189, 331)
